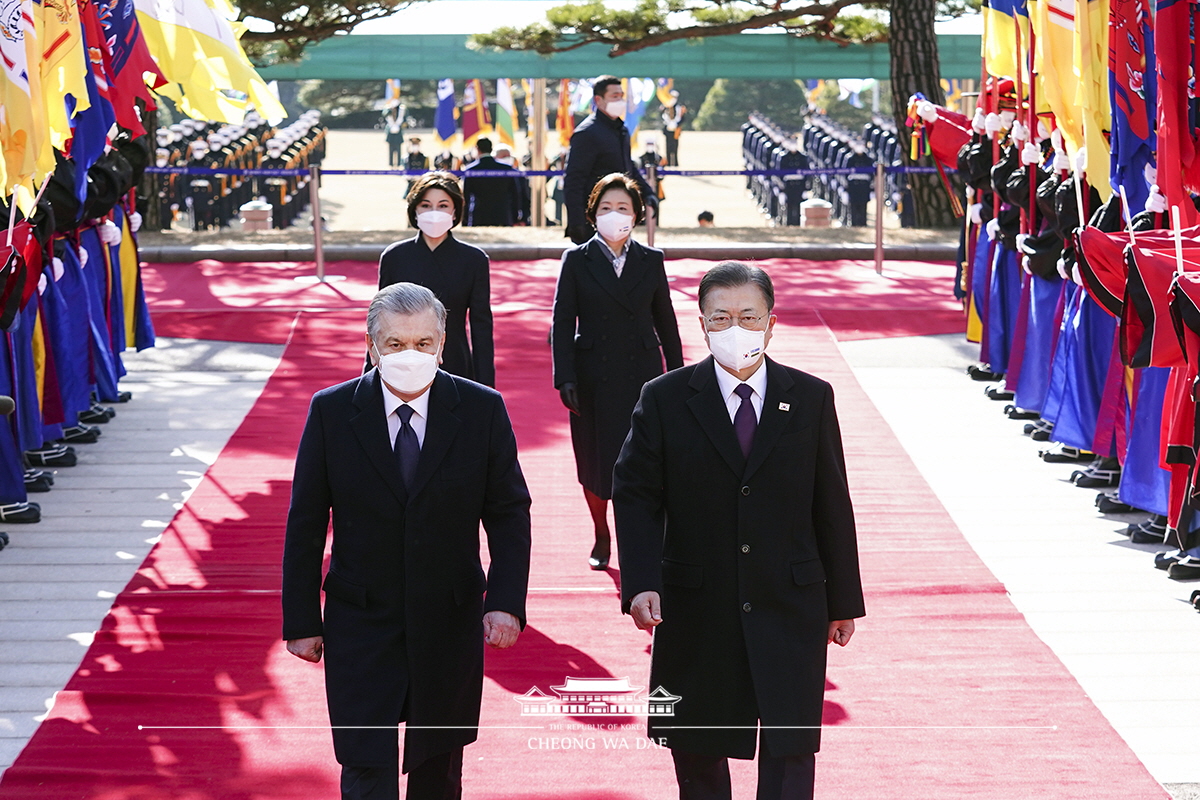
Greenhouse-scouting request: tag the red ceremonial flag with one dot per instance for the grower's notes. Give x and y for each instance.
(1177, 167)
(476, 118)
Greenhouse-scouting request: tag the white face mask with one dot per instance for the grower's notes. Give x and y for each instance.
(435, 224)
(614, 226)
(408, 371)
(736, 347)
(616, 109)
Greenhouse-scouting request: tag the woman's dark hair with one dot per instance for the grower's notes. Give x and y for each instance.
(435, 180)
(731, 274)
(616, 180)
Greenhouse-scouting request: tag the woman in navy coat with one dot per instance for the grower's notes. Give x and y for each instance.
(613, 327)
(458, 273)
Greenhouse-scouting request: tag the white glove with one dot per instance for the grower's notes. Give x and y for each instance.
(1056, 140)
(135, 222)
(1021, 239)
(1081, 160)
(82, 257)
(993, 228)
(42, 282)
(1042, 131)
(109, 233)
(978, 124)
(1156, 202)
(1030, 154)
(1025, 265)
(1006, 119)
(1061, 162)
(1062, 270)
(1150, 173)
(927, 111)
(1019, 132)
(1076, 275)
(56, 267)
(991, 124)
(976, 212)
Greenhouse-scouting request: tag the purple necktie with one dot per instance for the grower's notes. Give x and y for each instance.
(744, 421)
(407, 448)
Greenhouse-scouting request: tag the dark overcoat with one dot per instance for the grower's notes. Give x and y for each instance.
(458, 273)
(752, 557)
(599, 146)
(609, 337)
(405, 593)
(491, 201)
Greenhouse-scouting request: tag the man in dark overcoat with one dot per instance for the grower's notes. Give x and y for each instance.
(599, 147)
(408, 606)
(490, 201)
(737, 547)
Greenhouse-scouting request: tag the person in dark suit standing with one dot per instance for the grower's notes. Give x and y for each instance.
(738, 547)
(613, 326)
(490, 201)
(456, 272)
(410, 460)
(599, 146)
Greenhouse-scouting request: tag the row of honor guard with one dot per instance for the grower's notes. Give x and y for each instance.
(205, 202)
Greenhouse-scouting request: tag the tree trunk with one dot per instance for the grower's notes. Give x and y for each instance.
(916, 68)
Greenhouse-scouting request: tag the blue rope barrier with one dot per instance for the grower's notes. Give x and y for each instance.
(685, 173)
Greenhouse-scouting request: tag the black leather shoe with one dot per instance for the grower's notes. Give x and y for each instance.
(598, 560)
(978, 373)
(1107, 503)
(1065, 455)
(1165, 560)
(94, 416)
(52, 455)
(3, 540)
(998, 392)
(1186, 569)
(39, 484)
(1019, 413)
(81, 434)
(1100, 473)
(20, 512)
(1195, 598)
(1152, 531)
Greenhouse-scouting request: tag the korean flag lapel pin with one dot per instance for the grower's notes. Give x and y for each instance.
(785, 406)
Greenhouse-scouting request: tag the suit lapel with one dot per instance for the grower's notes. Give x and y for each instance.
(440, 429)
(371, 428)
(713, 414)
(774, 419)
(634, 270)
(602, 270)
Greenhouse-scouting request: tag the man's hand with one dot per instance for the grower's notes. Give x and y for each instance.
(646, 610)
(840, 631)
(309, 649)
(500, 629)
(569, 394)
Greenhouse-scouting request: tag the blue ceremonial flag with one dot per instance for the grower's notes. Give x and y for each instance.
(443, 121)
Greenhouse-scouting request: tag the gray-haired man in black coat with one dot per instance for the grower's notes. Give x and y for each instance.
(737, 547)
(408, 606)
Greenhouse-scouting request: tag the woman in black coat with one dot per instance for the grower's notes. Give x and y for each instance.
(456, 272)
(613, 326)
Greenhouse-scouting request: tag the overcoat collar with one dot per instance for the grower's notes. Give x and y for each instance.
(371, 428)
(713, 415)
(606, 276)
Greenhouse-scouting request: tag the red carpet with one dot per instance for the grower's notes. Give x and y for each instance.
(187, 692)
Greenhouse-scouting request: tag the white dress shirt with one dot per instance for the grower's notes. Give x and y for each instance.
(420, 417)
(757, 382)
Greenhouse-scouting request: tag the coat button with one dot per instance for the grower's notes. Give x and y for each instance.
(746, 607)
(745, 548)
(745, 491)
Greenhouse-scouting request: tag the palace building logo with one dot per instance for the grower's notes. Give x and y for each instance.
(599, 697)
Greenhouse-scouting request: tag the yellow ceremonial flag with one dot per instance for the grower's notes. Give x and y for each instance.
(1003, 22)
(28, 156)
(1091, 64)
(1054, 27)
(195, 43)
(64, 65)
